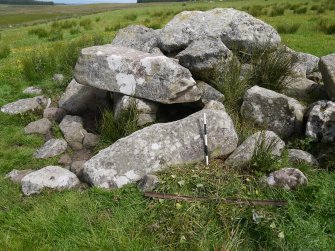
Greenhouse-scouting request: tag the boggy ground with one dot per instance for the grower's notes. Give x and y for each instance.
(125, 220)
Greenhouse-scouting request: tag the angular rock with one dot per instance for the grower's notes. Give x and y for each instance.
(321, 121)
(308, 61)
(259, 141)
(215, 105)
(53, 177)
(135, 73)
(272, 110)
(79, 98)
(91, 140)
(17, 175)
(300, 156)
(287, 178)
(303, 87)
(209, 93)
(235, 28)
(205, 58)
(25, 105)
(148, 183)
(137, 37)
(51, 148)
(327, 68)
(77, 168)
(65, 160)
(159, 146)
(145, 109)
(54, 114)
(41, 126)
(73, 131)
(316, 77)
(32, 90)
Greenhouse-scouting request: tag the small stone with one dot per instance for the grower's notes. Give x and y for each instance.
(148, 183)
(41, 126)
(287, 178)
(300, 156)
(77, 168)
(91, 140)
(65, 160)
(25, 105)
(17, 175)
(53, 177)
(54, 114)
(215, 105)
(51, 148)
(209, 93)
(73, 130)
(58, 78)
(32, 90)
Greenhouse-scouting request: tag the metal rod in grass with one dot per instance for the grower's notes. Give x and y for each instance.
(206, 140)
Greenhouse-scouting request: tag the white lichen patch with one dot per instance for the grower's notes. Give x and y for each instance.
(155, 146)
(114, 62)
(121, 180)
(131, 175)
(126, 83)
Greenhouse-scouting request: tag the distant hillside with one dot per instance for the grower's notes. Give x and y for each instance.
(159, 1)
(25, 2)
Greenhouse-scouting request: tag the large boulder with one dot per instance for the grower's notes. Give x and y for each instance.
(304, 88)
(259, 141)
(321, 121)
(51, 148)
(145, 109)
(137, 37)
(327, 68)
(25, 105)
(235, 28)
(159, 146)
(41, 126)
(209, 93)
(299, 156)
(73, 131)
(287, 178)
(79, 98)
(53, 177)
(135, 73)
(274, 111)
(205, 58)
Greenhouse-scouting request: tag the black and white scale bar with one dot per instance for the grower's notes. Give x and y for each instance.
(205, 137)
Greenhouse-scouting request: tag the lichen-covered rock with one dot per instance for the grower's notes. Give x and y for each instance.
(73, 131)
(215, 105)
(145, 109)
(321, 121)
(308, 61)
(159, 146)
(303, 88)
(209, 93)
(274, 111)
(205, 58)
(51, 148)
(236, 29)
(135, 73)
(327, 68)
(259, 141)
(137, 37)
(79, 98)
(54, 114)
(41, 126)
(91, 140)
(32, 90)
(17, 175)
(53, 177)
(287, 178)
(25, 105)
(148, 183)
(300, 156)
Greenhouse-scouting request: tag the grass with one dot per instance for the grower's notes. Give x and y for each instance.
(288, 28)
(4, 51)
(124, 219)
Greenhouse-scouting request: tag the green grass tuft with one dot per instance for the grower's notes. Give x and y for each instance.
(288, 28)
(4, 51)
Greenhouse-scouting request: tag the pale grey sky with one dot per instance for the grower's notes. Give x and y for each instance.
(93, 1)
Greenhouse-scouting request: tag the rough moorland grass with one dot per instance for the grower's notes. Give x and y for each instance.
(288, 28)
(326, 25)
(4, 51)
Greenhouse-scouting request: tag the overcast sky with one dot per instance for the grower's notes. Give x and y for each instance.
(93, 1)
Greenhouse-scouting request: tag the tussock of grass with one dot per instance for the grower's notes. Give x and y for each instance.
(288, 28)
(276, 11)
(327, 26)
(300, 10)
(40, 32)
(4, 51)
(61, 57)
(271, 67)
(112, 128)
(86, 24)
(130, 17)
